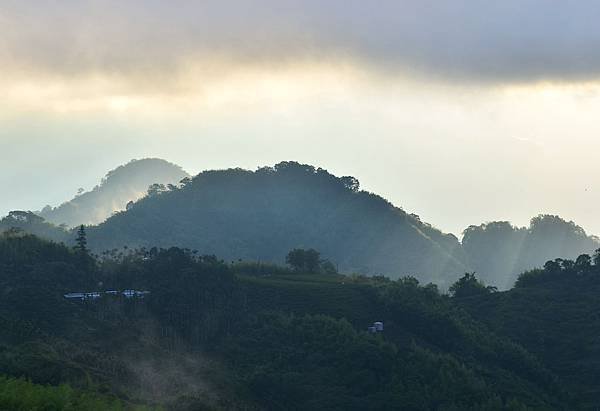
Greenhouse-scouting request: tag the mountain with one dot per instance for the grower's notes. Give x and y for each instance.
(499, 251)
(262, 215)
(126, 183)
(212, 335)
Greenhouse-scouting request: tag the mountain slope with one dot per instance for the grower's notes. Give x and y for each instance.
(261, 215)
(211, 336)
(126, 183)
(499, 252)
(553, 313)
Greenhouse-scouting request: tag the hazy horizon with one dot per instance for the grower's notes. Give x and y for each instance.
(462, 113)
(91, 181)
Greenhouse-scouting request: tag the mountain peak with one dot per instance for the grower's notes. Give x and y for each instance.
(128, 182)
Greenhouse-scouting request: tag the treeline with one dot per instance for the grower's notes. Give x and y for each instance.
(261, 215)
(499, 251)
(563, 271)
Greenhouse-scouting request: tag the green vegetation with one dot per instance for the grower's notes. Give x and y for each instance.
(309, 261)
(217, 335)
(242, 215)
(22, 395)
(468, 286)
(553, 313)
(262, 215)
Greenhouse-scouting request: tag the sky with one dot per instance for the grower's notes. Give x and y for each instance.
(459, 111)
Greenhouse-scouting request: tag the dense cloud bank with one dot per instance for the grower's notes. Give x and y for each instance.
(507, 41)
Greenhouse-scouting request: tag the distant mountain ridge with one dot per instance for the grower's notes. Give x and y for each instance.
(499, 251)
(261, 215)
(126, 183)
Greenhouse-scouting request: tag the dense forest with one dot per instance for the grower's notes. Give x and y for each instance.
(260, 215)
(120, 186)
(553, 313)
(240, 214)
(210, 334)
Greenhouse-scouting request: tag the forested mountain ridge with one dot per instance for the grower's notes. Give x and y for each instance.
(260, 215)
(212, 335)
(499, 251)
(126, 183)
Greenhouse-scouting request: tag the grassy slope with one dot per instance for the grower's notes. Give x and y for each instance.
(314, 294)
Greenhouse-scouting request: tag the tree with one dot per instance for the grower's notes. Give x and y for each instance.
(328, 267)
(156, 189)
(312, 260)
(350, 183)
(468, 285)
(567, 264)
(596, 257)
(583, 262)
(295, 258)
(553, 267)
(13, 232)
(304, 260)
(81, 240)
(26, 217)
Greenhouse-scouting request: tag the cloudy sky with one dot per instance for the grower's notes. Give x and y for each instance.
(460, 111)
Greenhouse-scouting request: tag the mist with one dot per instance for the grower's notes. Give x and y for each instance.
(454, 156)
(493, 118)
